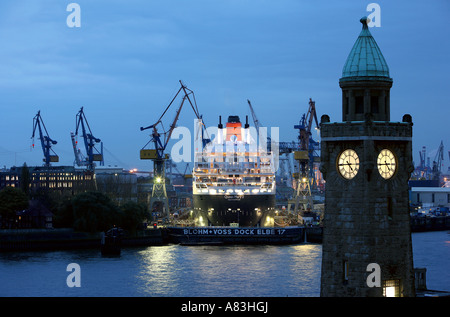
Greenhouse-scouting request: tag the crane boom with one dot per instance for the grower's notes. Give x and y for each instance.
(161, 145)
(255, 119)
(89, 141)
(306, 125)
(79, 158)
(437, 163)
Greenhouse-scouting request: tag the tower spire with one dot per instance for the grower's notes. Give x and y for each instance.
(365, 80)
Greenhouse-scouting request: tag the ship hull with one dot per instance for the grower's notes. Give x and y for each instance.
(226, 235)
(226, 210)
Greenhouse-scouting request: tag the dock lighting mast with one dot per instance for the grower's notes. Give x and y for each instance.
(93, 155)
(46, 141)
(305, 158)
(159, 202)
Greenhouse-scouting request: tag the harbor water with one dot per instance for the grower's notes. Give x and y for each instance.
(194, 271)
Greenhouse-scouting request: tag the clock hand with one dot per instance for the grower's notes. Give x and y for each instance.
(349, 165)
(387, 165)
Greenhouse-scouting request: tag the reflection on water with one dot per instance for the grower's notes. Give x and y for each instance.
(431, 250)
(229, 271)
(170, 270)
(185, 271)
(157, 271)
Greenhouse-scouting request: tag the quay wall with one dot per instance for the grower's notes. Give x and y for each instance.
(66, 238)
(54, 239)
(438, 223)
(314, 234)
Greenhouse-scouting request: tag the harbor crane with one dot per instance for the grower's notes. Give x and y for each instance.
(430, 171)
(304, 153)
(283, 147)
(92, 154)
(80, 160)
(423, 170)
(306, 157)
(437, 163)
(46, 141)
(255, 119)
(422, 155)
(159, 203)
(258, 126)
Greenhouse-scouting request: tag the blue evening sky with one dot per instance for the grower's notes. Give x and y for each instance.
(124, 63)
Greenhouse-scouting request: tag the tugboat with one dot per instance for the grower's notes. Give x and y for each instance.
(111, 242)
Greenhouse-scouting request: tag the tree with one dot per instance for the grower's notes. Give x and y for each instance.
(94, 211)
(11, 200)
(63, 215)
(133, 215)
(25, 179)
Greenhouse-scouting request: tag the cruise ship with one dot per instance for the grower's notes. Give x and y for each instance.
(234, 179)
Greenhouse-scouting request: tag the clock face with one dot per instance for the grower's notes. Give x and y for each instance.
(387, 164)
(348, 164)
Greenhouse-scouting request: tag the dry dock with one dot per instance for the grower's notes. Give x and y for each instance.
(235, 235)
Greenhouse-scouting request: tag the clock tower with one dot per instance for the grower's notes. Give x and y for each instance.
(366, 161)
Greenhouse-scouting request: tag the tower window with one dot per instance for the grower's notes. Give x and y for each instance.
(345, 271)
(346, 105)
(359, 104)
(386, 107)
(374, 104)
(391, 288)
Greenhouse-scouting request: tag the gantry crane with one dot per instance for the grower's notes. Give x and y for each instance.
(92, 154)
(159, 204)
(46, 141)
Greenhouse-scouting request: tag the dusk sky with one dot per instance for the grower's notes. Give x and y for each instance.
(124, 63)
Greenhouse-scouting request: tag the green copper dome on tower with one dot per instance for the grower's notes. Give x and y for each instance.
(365, 59)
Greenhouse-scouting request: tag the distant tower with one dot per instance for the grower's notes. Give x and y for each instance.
(366, 161)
